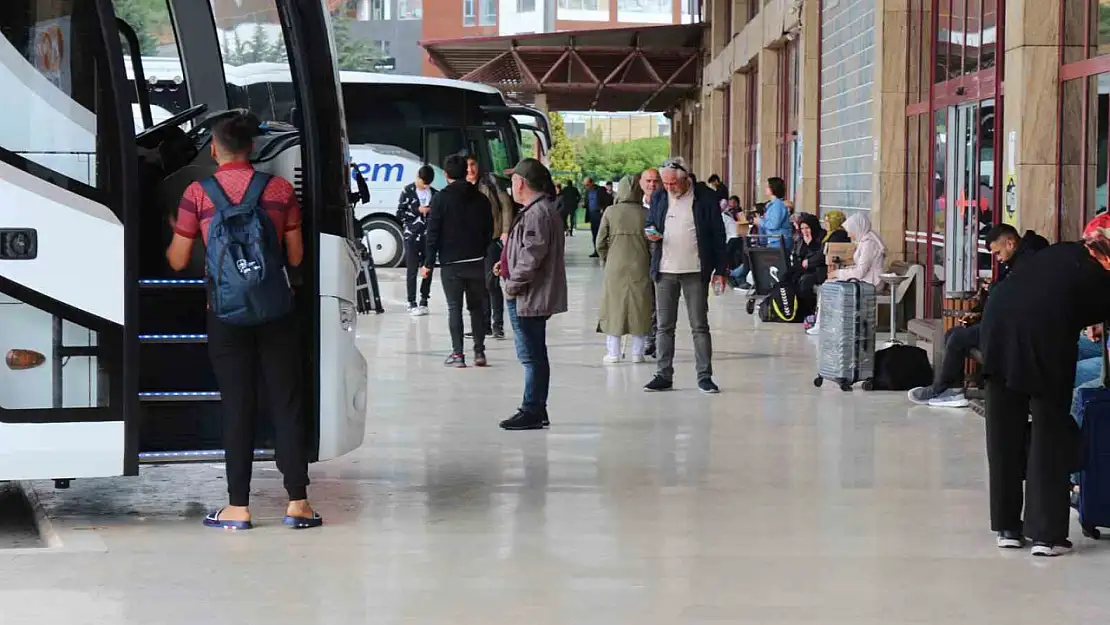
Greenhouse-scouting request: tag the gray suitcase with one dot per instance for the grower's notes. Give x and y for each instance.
(846, 352)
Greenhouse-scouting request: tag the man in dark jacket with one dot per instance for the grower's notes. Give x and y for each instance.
(412, 209)
(567, 203)
(947, 389)
(685, 222)
(595, 200)
(460, 227)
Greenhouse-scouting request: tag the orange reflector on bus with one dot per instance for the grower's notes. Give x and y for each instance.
(22, 359)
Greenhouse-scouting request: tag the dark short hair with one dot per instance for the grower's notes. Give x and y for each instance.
(427, 174)
(713, 178)
(760, 208)
(778, 186)
(454, 167)
(535, 175)
(734, 197)
(236, 133)
(1003, 231)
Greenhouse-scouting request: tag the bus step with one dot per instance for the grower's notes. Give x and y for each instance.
(215, 455)
(172, 338)
(180, 396)
(172, 283)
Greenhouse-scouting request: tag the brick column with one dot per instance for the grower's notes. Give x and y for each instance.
(888, 214)
(1032, 83)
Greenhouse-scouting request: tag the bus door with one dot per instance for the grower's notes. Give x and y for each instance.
(68, 196)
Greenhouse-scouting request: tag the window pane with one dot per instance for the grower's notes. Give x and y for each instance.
(489, 12)
(645, 6)
(973, 35)
(989, 38)
(50, 54)
(944, 35)
(499, 153)
(410, 9)
(1073, 139)
(165, 84)
(525, 6)
(1101, 37)
(469, 17)
(956, 39)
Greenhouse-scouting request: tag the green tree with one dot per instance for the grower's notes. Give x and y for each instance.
(149, 18)
(355, 54)
(612, 161)
(564, 161)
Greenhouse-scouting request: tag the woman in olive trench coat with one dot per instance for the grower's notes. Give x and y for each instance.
(627, 300)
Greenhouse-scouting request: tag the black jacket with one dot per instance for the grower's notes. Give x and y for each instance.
(709, 227)
(460, 225)
(568, 201)
(1034, 316)
(408, 211)
(1031, 243)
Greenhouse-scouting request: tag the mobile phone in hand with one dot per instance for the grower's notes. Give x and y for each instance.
(651, 231)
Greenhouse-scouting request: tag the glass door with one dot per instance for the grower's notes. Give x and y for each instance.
(961, 229)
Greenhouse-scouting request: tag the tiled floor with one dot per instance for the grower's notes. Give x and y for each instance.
(772, 503)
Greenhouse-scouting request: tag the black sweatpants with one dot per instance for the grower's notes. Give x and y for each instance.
(414, 260)
(1043, 456)
(495, 303)
(957, 347)
(595, 224)
(250, 361)
(465, 280)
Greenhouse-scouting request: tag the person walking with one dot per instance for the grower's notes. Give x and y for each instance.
(626, 302)
(412, 210)
(595, 200)
(460, 227)
(568, 202)
(651, 183)
(685, 222)
(501, 206)
(534, 274)
(262, 357)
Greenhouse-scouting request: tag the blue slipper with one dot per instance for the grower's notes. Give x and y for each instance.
(303, 523)
(213, 520)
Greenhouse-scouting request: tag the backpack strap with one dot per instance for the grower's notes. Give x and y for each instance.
(256, 188)
(215, 192)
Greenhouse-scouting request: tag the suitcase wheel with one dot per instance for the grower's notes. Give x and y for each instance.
(1091, 531)
(845, 386)
(868, 384)
(750, 307)
(818, 381)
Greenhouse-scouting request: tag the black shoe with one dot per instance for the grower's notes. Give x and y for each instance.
(468, 335)
(707, 386)
(457, 361)
(1051, 550)
(498, 334)
(750, 306)
(480, 358)
(1010, 540)
(649, 351)
(594, 255)
(658, 383)
(524, 420)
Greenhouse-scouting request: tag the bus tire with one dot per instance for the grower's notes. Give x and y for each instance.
(385, 240)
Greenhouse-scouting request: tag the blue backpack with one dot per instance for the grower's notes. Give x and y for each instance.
(244, 258)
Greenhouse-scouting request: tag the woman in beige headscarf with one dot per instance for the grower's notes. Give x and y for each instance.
(626, 302)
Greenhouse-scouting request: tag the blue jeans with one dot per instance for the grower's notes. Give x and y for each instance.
(530, 337)
(740, 274)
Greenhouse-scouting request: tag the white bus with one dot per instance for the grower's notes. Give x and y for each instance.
(395, 123)
(106, 363)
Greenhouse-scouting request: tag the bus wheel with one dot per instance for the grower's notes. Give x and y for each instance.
(385, 240)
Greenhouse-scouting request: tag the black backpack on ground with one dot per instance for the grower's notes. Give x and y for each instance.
(902, 367)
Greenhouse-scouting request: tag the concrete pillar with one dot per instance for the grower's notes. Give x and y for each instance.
(769, 116)
(888, 214)
(1075, 139)
(720, 27)
(716, 154)
(540, 102)
(1032, 83)
(738, 181)
(740, 14)
(810, 92)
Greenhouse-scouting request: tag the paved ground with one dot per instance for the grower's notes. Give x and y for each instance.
(772, 503)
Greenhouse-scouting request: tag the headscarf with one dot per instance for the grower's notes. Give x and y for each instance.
(857, 226)
(629, 191)
(1097, 235)
(836, 222)
(814, 226)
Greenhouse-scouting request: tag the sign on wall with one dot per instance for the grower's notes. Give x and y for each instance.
(1009, 192)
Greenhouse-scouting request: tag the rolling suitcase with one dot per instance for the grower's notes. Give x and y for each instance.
(846, 352)
(1093, 502)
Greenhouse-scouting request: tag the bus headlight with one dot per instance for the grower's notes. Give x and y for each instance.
(348, 316)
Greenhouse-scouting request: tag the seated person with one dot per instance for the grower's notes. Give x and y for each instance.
(807, 262)
(868, 261)
(738, 276)
(947, 388)
(833, 222)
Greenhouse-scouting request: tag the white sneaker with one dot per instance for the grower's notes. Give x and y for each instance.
(951, 398)
(1046, 550)
(422, 311)
(637, 358)
(814, 331)
(610, 359)
(414, 311)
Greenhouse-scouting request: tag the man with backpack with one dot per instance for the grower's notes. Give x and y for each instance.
(460, 228)
(412, 209)
(251, 226)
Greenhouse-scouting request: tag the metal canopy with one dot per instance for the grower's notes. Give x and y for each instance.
(615, 69)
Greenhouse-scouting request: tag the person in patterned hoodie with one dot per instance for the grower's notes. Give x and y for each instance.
(412, 210)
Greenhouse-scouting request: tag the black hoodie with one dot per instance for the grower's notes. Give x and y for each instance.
(460, 225)
(1031, 243)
